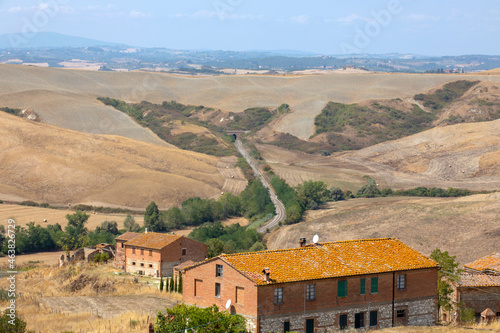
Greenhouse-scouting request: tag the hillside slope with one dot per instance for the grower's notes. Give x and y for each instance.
(461, 156)
(50, 164)
(67, 98)
(466, 227)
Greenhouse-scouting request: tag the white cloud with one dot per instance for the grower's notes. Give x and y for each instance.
(138, 14)
(351, 18)
(302, 19)
(422, 18)
(205, 14)
(14, 9)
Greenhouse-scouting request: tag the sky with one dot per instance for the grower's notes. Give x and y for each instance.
(426, 27)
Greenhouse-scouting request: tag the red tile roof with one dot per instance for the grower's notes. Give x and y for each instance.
(152, 240)
(491, 263)
(127, 236)
(185, 264)
(478, 280)
(327, 260)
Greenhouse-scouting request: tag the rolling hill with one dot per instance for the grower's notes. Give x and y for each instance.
(67, 98)
(59, 166)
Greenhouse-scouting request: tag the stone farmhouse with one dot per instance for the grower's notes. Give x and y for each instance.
(154, 253)
(120, 248)
(479, 287)
(370, 283)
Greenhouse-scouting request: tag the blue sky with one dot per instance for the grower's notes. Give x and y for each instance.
(328, 27)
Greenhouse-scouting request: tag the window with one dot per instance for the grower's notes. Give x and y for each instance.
(218, 270)
(142, 264)
(373, 318)
(401, 281)
(278, 295)
(121, 244)
(240, 295)
(150, 265)
(374, 285)
(311, 292)
(286, 326)
(217, 290)
(401, 313)
(142, 252)
(359, 320)
(150, 253)
(184, 252)
(133, 263)
(362, 286)
(498, 314)
(133, 250)
(342, 289)
(343, 321)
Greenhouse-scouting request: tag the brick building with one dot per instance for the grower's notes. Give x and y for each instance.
(478, 287)
(120, 248)
(371, 283)
(153, 253)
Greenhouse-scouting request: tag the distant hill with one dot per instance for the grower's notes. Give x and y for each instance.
(49, 40)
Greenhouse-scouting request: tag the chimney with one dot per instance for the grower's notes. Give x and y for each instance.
(302, 242)
(146, 230)
(267, 273)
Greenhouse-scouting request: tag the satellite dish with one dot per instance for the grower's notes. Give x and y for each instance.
(228, 304)
(315, 239)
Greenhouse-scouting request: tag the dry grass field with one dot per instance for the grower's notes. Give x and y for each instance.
(88, 298)
(49, 164)
(24, 214)
(67, 98)
(468, 227)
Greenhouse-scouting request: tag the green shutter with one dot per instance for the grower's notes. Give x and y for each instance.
(342, 289)
(374, 285)
(362, 288)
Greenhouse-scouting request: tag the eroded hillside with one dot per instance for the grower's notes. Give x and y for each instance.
(50, 164)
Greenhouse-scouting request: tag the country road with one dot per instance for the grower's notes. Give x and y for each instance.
(280, 208)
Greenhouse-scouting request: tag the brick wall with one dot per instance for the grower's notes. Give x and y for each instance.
(418, 298)
(481, 298)
(199, 288)
(152, 262)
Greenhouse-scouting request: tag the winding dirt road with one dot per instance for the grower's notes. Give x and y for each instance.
(280, 208)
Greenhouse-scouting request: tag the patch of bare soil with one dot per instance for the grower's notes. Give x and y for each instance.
(467, 227)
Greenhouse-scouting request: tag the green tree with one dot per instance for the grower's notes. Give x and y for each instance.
(175, 284)
(152, 219)
(448, 273)
(336, 194)
(215, 247)
(369, 190)
(171, 287)
(130, 224)
(179, 286)
(12, 324)
(161, 282)
(110, 226)
(313, 193)
(175, 218)
(206, 320)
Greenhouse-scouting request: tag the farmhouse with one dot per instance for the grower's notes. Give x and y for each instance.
(370, 283)
(154, 253)
(479, 286)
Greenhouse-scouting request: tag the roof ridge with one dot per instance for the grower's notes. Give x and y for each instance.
(229, 255)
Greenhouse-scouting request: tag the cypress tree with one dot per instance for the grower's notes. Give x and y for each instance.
(179, 286)
(161, 282)
(175, 284)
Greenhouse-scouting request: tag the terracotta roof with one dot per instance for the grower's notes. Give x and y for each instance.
(491, 262)
(128, 236)
(185, 264)
(327, 260)
(152, 240)
(479, 280)
(488, 313)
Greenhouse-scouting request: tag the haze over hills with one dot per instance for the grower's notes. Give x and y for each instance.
(49, 40)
